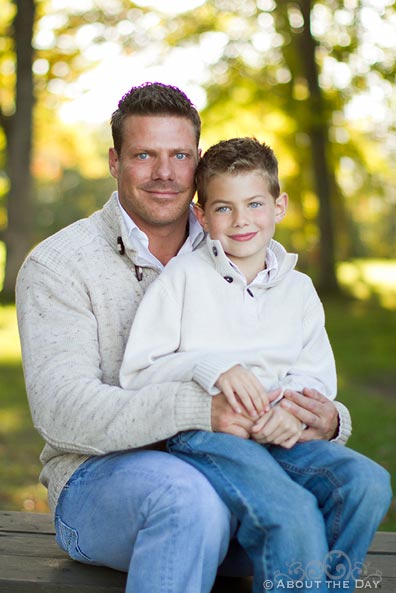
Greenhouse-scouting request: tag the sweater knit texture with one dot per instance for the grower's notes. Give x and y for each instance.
(76, 298)
(199, 318)
(77, 294)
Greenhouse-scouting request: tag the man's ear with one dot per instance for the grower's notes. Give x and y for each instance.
(113, 162)
(200, 214)
(281, 207)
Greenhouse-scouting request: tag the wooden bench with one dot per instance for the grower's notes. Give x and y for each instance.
(31, 562)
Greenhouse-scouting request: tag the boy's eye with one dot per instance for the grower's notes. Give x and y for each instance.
(255, 204)
(222, 209)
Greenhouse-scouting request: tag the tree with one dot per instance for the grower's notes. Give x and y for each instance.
(18, 132)
(35, 68)
(277, 55)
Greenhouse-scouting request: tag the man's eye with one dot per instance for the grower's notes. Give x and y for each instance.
(142, 156)
(180, 156)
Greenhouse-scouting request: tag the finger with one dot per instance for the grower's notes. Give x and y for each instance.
(232, 400)
(246, 399)
(273, 395)
(259, 425)
(289, 443)
(307, 417)
(314, 394)
(309, 434)
(261, 399)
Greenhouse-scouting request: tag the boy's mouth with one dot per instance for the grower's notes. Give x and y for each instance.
(243, 236)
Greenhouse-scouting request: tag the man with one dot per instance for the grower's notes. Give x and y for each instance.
(117, 499)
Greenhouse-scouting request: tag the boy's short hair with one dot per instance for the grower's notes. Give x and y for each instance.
(153, 98)
(237, 155)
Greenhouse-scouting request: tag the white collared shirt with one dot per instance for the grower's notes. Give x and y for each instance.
(140, 241)
(264, 276)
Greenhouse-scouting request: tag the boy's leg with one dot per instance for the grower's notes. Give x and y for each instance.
(281, 525)
(149, 514)
(353, 492)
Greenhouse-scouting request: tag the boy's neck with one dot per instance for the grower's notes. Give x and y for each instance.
(250, 267)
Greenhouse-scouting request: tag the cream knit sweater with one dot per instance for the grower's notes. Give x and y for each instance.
(76, 298)
(199, 318)
(77, 295)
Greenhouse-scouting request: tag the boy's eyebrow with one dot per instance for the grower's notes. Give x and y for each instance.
(225, 201)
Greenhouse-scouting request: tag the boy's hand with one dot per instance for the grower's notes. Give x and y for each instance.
(278, 428)
(241, 386)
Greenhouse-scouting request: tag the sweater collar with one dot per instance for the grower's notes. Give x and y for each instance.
(285, 263)
(119, 236)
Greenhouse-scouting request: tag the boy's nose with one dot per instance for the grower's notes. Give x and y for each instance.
(240, 218)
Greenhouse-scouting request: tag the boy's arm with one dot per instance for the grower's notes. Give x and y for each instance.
(315, 367)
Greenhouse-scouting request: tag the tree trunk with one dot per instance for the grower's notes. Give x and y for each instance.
(318, 134)
(18, 132)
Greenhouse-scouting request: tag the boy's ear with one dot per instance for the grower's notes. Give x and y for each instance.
(200, 214)
(281, 207)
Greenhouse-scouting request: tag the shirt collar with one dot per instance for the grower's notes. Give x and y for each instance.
(223, 264)
(140, 242)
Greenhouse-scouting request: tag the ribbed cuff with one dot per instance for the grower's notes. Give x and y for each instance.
(345, 424)
(193, 408)
(208, 370)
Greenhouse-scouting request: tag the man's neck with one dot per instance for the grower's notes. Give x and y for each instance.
(165, 243)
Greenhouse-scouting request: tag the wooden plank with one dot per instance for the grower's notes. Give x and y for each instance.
(26, 522)
(30, 561)
(384, 542)
(30, 544)
(58, 575)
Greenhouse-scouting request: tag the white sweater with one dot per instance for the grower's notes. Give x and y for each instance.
(199, 318)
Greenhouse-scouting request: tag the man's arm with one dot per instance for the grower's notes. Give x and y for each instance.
(74, 405)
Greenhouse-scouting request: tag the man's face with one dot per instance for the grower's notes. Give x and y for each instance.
(155, 170)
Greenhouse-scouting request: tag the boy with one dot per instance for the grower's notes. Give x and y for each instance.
(237, 318)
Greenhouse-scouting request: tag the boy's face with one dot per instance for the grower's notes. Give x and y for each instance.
(241, 213)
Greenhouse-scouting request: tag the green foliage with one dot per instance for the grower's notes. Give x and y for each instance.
(362, 333)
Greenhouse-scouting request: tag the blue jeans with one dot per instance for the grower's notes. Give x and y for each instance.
(307, 514)
(151, 515)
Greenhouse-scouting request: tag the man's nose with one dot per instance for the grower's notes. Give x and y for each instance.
(163, 168)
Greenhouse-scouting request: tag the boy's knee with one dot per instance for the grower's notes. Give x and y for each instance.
(371, 482)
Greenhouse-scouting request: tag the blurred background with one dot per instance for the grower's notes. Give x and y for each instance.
(314, 79)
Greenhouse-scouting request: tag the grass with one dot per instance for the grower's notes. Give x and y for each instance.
(363, 334)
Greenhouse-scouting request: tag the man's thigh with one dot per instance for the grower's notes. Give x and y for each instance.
(110, 499)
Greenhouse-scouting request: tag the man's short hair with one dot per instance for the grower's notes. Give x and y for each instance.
(237, 155)
(153, 98)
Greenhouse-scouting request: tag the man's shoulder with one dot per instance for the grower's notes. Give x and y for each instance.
(68, 242)
(80, 240)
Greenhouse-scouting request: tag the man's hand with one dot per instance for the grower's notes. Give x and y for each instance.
(225, 419)
(278, 427)
(316, 411)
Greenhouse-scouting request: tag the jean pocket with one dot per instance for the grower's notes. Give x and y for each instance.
(68, 540)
